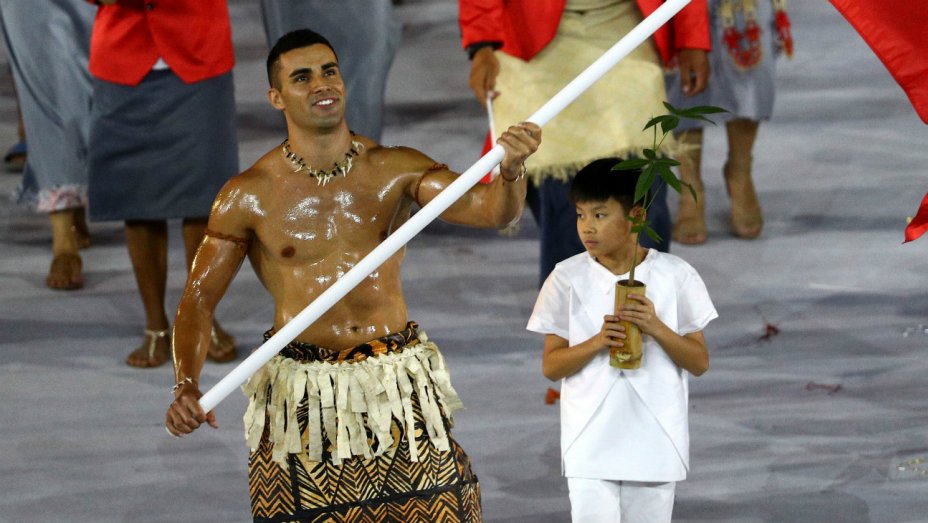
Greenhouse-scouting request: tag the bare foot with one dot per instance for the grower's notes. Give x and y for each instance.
(222, 346)
(154, 352)
(65, 272)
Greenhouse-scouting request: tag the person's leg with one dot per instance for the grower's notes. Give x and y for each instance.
(65, 271)
(147, 241)
(659, 218)
(746, 215)
(81, 229)
(594, 500)
(15, 158)
(690, 226)
(559, 239)
(534, 205)
(646, 502)
(222, 348)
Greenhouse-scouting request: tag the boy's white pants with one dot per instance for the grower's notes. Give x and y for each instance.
(605, 501)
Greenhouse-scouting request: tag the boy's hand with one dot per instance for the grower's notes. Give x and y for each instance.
(640, 311)
(612, 333)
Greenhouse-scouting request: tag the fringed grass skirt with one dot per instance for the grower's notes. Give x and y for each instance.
(361, 435)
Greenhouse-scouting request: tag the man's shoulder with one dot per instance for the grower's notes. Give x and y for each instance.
(398, 157)
(251, 178)
(247, 185)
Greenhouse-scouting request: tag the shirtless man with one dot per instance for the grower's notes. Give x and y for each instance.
(302, 230)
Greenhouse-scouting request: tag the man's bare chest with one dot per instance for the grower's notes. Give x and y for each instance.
(342, 221)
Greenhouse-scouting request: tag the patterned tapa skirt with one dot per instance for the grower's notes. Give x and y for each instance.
(360, 435)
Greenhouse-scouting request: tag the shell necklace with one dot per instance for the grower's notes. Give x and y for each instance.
(323, 176)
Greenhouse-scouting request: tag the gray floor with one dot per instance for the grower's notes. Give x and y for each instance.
(824, 422)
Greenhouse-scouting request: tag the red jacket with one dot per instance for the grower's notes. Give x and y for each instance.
(524, 27)
(194, 37)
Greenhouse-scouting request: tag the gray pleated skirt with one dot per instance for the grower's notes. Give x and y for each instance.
(161, 149)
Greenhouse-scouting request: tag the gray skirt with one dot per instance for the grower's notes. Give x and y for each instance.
(161, 149)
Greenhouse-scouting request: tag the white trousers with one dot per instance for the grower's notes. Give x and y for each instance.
(605, 501)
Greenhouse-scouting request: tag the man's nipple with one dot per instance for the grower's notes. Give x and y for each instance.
(288, 251)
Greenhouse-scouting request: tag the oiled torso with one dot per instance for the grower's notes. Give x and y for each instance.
(307, 235)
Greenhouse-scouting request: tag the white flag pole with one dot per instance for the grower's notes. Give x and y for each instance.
(492, 130)
(428, 213)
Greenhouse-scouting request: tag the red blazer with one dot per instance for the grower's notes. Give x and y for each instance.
(524, 27)
(194, 37)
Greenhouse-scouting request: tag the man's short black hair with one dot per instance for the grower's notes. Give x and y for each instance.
(597, 182)
(288, 42)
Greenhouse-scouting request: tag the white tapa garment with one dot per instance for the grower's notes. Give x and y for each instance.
(571, 304)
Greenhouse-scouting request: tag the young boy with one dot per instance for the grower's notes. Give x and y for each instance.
(624, 433)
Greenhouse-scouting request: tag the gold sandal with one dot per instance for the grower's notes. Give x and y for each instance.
(149, 348)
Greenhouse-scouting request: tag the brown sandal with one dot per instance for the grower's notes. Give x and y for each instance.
(747, 219)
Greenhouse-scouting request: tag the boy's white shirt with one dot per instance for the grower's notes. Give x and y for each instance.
(571, 304)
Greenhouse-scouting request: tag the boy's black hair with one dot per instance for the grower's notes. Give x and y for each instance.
(597, 182)
(288, 42)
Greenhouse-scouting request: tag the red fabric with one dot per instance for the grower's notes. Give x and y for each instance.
(551, 396)
(193, 37)
(524, 27)
(919, 224)
(898, 33)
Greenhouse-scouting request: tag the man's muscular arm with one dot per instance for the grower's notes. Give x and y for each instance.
(218, 259)
(494, 205)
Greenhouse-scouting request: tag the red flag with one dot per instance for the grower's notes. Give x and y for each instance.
(897, 32)
(919, 224)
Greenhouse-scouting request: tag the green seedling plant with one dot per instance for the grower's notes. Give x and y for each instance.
(654, 165)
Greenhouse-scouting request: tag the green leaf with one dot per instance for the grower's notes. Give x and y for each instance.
(672, 109)
(652, 234)
(656, 120)
(669, 178)
(666, 160)
(692, 112)
(670, 124)
(632, 164)
(644, 183)
(703, 118)
(649, 154)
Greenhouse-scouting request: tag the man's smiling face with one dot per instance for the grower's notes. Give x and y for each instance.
(310, 89)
